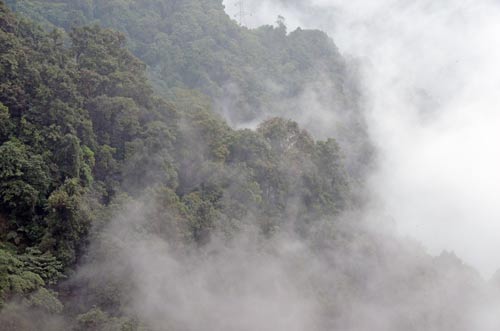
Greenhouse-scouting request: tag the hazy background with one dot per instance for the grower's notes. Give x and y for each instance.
(431, 77)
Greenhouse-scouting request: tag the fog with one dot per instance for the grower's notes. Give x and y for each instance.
(425, 75)
(430, 75)
(340, 276)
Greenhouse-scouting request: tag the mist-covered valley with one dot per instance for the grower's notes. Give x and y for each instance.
(198, 165)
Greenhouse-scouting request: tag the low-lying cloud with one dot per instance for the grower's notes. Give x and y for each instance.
(337, 277)
(430, 74)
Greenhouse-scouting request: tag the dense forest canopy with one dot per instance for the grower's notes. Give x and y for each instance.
(125, 186)
(250, 75)
(82, 128)
(193, 44)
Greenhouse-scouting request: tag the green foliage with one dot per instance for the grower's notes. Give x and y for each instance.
(24, 181)
(285, 136)
(24, 273)
(104, 127)
(45, 300)
(74, 119)
(193, 44)
(105, 67)
(69, 156)
(115, 120)
(221, 176)
(84, 136)
(97, 320)
(5, 123)
(70, 215)
(86, 145)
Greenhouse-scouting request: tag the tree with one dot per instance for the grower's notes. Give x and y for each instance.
(24, 180)
(5, 124)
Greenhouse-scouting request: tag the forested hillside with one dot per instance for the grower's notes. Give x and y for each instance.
(131, 204)
(82, 130)
(193, 44)
(250, 75)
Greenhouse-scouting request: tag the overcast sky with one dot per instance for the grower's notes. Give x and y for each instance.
(431, 73)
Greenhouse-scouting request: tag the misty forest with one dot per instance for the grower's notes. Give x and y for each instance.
(165, 166)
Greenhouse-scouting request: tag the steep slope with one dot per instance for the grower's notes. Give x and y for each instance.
(120, 210)
(250, 75)
(82, 130)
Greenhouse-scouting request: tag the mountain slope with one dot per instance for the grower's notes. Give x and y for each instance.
(250, 75)
(82, 131)
(123, 210)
